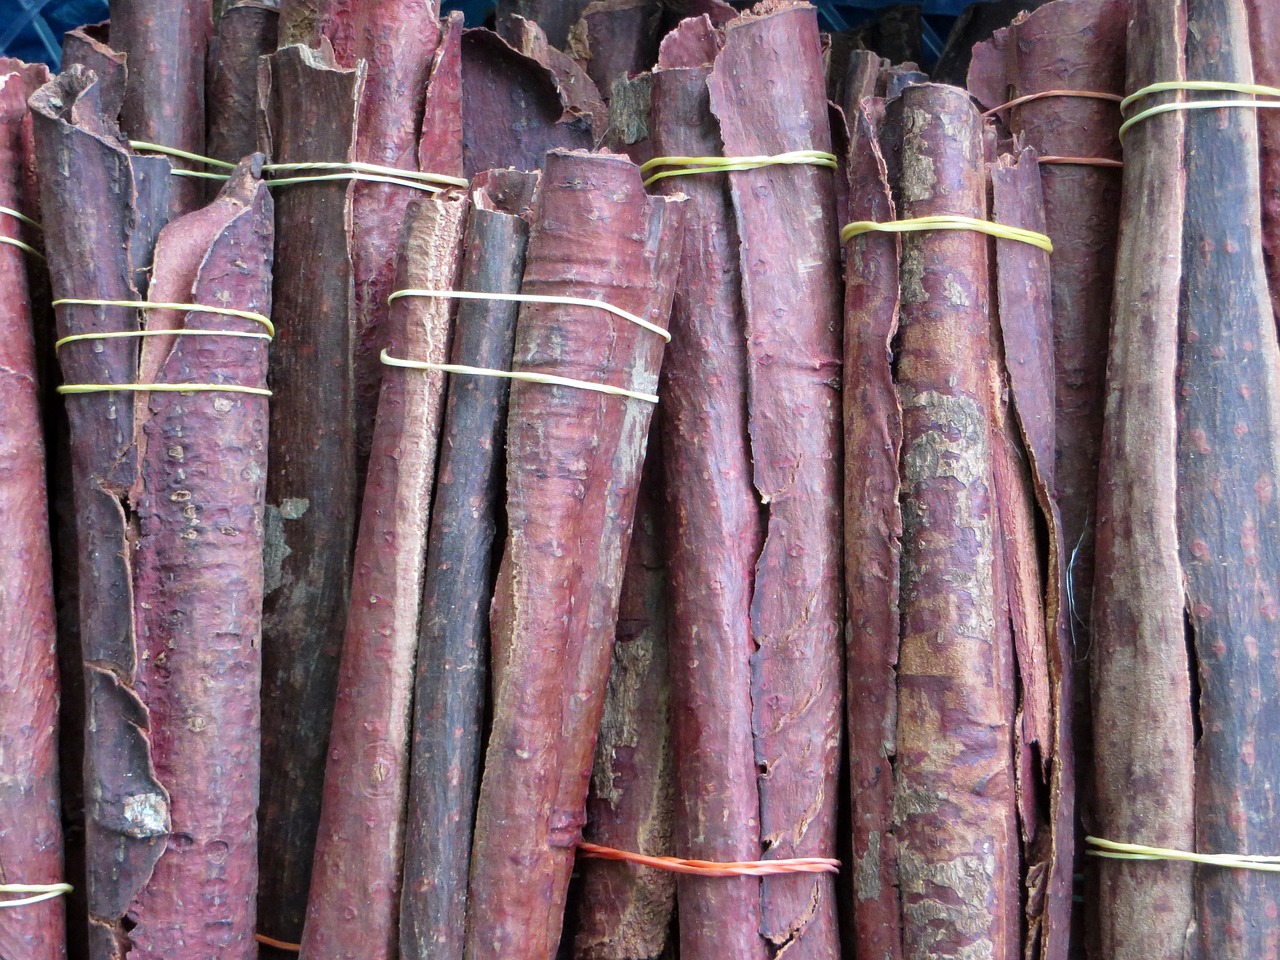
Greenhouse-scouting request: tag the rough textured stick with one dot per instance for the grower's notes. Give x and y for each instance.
(309, 107)
(954, 799)
(514, 110)
(1264, 37)
(615, 38)
(625, 913)
(1144, 784)
(573, 467)
(397, 40)
(361, 835)
(88, 46)
(768, 93)
(554, 17)
(449, 692)
(873, 535)
(84, 167)
(246, 30)
(714, 531)
(198, 577)
(31, 831)
(1228, 419)
(165, 46)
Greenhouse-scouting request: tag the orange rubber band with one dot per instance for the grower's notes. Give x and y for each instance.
(278, 944)
(710, 868)
(1088, 94)
(1083, 161)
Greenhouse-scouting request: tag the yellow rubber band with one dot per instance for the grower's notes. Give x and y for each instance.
(123, 334)
(24, 247)
(1211, 86)
(42, 891)
(147, 147)
(1001, 231)
(357, 167)
(1110, 850)
(544, 378)
(535, 298)
(80, 388)
(9, 211)
(192, 307)
(692, 165)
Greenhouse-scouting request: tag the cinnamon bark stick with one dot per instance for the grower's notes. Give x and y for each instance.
(715, 531)
(309, 106)
(449, 690)
(573, 465)
(615, 38)
(362, 819)
(245, 30)
(31, 832)
(1264, 39)
(1145, 785)
(769, 96)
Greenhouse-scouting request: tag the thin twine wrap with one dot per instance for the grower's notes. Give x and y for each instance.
(14, 241)
(1050, 159)
(692, 165)
(1110, 850)
(1019, 101)
(83, 388)
(528, 377)
(712, 868)
(1211, 86)
(354, 170)
(41, 891)
(535, 298)
(1001, 231)
(278, 944)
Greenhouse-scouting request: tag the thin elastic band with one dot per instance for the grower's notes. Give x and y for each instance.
(1081, 161)
(692, 165)
(149, 305)
(949, 222)
(24, 247)
(1110, 850)
(1087, 94)
(278, 944)
(1212, 86)
(82, 388)
(535, 298)
(41, 891)
(18, 215)
(711, 868)
(528, 377)
(129, 334)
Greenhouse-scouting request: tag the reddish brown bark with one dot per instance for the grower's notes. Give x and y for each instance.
(715, 532)
(449, 692)
(578, 90)
(31, 833)
(769, 96)
(1264, 38)
(1140, 670)
(615, 38)
(360, 839)
(165, 45)
(309, 109)
(624, 913)
(553, 17)
(245, 31)
(573, 466)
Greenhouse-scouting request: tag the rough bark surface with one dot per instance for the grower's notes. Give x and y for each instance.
(359, 844)
(769, 96)
(554, 17)
(245, 31)
(31, 829)
(573, 467)
(1140, 670)
(309, 106)
(453, 633)
(616, 38)
(1264, 38)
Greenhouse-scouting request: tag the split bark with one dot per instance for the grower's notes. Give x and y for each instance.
(245, 31)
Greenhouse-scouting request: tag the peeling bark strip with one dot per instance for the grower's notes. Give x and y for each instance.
(574, 460)
(453, 632)
(164, 45)
(198, 577)
(625, 913)
(92, 194)
(714, 532)
(554, 17)
(308, 106)
(873, 537)
(954, 800)
(1228, 458)
(1145, 784)
(360, 841)
(245, 30)
(31, 829)
(769, 96)
(615, 39)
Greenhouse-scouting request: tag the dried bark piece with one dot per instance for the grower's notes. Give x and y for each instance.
(553, 17)
(715, 532)
(362, 819)
(954, 798)
(198, 576)
(245, 31)
(165, 46)
(453, 632)
(873, 545)
(1228, 422)
(88, 46)
(84, 167)
(514, 110)
(1264, 38)
(1144, 784)
(578, 90)
(573, 465)
(769, 95)
(616, 38)
(31, 834)
(625, 913)
(309, 106)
